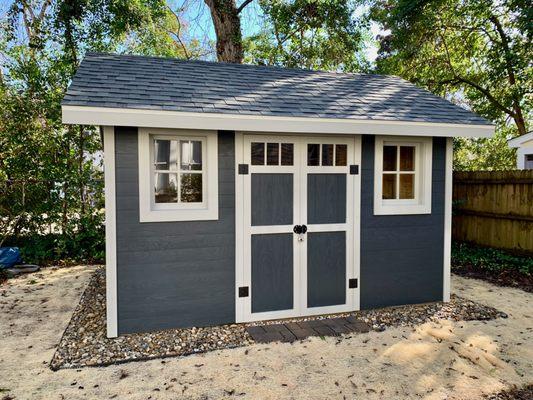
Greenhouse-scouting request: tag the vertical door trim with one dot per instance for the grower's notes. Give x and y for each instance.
(239, 229)
(110, 232)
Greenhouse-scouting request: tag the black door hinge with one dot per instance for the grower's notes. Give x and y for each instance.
(352, 283)
(243, 169)
(354, 169)
(243, 291)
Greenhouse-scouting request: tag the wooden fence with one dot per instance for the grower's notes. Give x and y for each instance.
(494, 208)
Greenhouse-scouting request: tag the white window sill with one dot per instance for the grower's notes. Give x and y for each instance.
(179, 215)
(406, 209)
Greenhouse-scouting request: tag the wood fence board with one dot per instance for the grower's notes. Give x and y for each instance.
(494, 208)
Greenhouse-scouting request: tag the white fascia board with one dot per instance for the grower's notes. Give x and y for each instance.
(83, 115)
(518, 141)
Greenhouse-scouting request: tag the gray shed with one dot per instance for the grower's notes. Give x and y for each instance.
(239, 193)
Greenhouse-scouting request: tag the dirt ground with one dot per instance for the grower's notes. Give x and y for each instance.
(444, 360)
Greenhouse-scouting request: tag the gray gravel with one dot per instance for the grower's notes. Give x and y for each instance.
(84, 342)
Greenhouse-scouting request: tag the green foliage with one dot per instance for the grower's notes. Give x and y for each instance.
(477, 53)
(486, 258)
(51, 180)
(314, 34)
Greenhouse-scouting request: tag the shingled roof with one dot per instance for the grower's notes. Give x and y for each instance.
(155, 83)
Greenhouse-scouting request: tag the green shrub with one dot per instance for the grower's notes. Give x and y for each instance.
(465, 254)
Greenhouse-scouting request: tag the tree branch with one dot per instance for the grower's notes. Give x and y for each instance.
(244, 4)
(177, 35)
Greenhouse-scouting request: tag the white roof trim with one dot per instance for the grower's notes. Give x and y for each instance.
(104, 116)
(517, 141)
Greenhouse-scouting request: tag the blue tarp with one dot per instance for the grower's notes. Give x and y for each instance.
(9, 256)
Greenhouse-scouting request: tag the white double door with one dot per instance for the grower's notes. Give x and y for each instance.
(300, 202)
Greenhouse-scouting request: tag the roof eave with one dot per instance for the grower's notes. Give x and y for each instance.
(103, 116)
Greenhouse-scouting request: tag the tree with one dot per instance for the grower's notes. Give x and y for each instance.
(225, 16)
(50, 179)
(476, 51)
(310, 34)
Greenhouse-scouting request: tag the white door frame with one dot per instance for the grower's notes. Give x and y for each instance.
(243, 228)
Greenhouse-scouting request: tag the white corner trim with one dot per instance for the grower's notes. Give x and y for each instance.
(181, 212)
(448, 196)
(259, 123)
(423, 177)
(110, 232)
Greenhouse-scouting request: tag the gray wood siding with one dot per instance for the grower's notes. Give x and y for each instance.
(173, 274)
(401, 255)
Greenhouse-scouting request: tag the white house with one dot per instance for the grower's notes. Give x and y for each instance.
(524, 152)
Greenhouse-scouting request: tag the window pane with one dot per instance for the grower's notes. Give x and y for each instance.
(258, 154)
(389, 158)
(272, 153)
(313, 154)
(162, 154)
(191, 155)
(166, 188)
(287, 154)
(191, 188)
(341, 154)
(389, 186)
(407, 158)
(327, 154)
(407, 186)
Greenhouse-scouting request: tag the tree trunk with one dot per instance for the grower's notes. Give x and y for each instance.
(227, 24)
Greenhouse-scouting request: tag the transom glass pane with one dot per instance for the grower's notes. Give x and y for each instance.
(341, 154)
(166, 188)
(272, 153)
(407, 186)
(287, 154)
(258, 154)
(389, 186)
(191, 155)
(327, 154)
(191, 188)
(313, 154)
(389, 158)
(407, 158)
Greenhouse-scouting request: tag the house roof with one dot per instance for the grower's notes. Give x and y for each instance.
(518, 141)
(169, 84)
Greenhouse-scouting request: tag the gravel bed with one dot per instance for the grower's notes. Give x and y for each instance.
(84, 342)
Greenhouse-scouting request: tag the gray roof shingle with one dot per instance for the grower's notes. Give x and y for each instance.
(155, 83)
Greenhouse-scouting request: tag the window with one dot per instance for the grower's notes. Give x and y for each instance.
(178, 177)
(528, 161)
(402, 180)
(327, 154)
(275, 153)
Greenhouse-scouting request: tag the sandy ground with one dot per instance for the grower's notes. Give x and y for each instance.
(443, 360)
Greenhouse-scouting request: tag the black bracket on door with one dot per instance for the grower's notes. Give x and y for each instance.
(354, 169)
(352, 283)
(243, 291)
(243, 169)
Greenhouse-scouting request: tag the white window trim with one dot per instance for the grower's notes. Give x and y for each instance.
(423, 182)
(208, 209)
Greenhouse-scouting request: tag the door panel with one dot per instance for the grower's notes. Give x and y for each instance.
(272, 272)
(272, 199)
(326, 269)
(326, 198)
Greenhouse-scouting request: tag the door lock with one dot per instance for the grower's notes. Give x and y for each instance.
(300, 230)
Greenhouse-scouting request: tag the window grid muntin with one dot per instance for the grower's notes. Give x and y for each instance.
(397, 172)
(179, 171)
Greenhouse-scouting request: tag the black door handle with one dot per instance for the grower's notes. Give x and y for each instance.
(297, 229)
(304, 228)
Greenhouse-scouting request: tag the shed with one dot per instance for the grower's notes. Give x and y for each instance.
(239, 193)
(524, 150)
